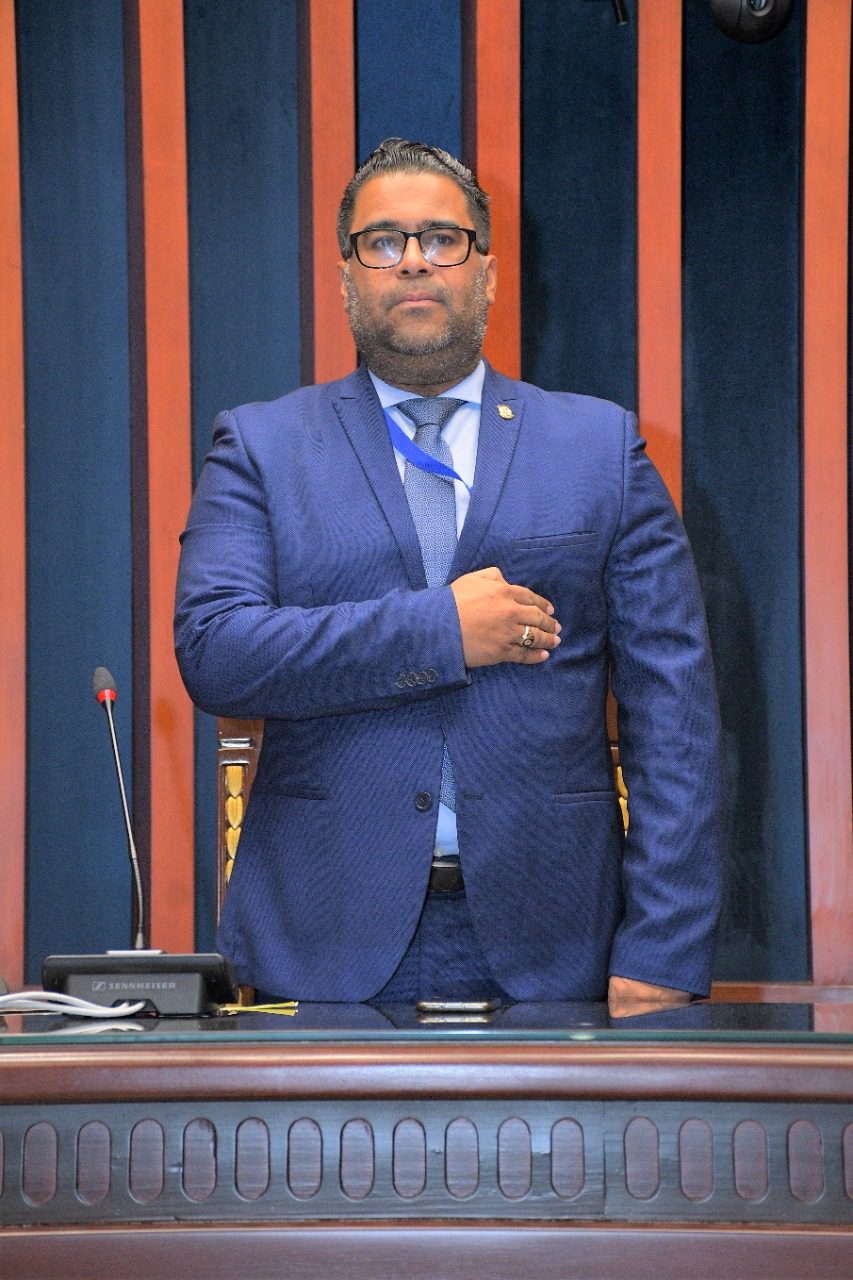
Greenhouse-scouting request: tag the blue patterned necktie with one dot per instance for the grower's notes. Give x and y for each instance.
(433, 506)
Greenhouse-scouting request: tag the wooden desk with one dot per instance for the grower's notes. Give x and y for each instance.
(374, 1153)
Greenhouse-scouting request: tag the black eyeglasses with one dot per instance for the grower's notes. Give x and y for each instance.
(379, 247)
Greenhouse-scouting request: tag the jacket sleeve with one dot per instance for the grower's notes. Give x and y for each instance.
(669, 739)
(243, 653)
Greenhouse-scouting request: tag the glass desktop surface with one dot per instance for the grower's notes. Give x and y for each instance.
(819, 1023)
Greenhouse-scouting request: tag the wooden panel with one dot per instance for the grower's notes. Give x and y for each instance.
(641, 1144)
(461, 1158)
(409, 1158)
(13, 653)
(474, 1160)
(169, 462)
(805, 1161)
(39, 1164)
(780, 993)
(515, 1158)
(357, 1159)
(198, 1172)
(659, 235)
(696, 1159)
(145, 1161)
(825, 514)
(736, 1072)
(93, 1158)
(832, 1007)
(304, 1158)
(328, 97)
(252, 1159)
(568, 1161)
(749, 1149)
(385, 1252)
(493, 147)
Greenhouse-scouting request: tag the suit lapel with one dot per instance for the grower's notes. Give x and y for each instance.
(495, 447)
(360, 412)
(361, 416)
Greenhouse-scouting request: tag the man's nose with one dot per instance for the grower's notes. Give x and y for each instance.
(413, 259)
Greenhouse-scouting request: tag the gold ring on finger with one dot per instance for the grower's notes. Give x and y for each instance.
(527, 638)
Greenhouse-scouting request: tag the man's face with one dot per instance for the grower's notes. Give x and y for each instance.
(418, 326)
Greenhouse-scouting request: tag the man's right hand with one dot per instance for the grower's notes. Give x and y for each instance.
(492, 616)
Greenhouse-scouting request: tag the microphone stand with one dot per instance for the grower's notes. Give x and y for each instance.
(139, 941)
(180, 986)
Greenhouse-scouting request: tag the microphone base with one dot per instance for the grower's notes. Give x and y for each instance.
(175, 986)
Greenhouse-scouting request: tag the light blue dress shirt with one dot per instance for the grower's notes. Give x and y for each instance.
(461, 435)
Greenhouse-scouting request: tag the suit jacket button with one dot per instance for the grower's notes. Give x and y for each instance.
(431, 675)
(411, 680)
(423, 801)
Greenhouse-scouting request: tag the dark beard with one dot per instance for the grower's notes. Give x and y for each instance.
(440, 359)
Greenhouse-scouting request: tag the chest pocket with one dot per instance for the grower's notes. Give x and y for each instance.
(559, 566)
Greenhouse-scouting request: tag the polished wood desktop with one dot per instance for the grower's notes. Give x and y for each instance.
(548, 1141)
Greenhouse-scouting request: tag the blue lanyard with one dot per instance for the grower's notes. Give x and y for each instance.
(418, 457)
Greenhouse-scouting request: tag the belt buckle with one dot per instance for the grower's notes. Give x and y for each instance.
(445, 875)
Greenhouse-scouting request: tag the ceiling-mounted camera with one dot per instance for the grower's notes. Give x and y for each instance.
(751, 21)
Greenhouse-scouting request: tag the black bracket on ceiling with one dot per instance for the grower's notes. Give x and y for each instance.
(620, 12)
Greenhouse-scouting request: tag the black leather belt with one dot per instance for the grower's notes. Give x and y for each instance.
(445, 876)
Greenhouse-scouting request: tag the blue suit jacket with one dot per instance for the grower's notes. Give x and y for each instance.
(302, 600)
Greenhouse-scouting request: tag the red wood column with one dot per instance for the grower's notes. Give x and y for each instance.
(659, 235)
(328, 125)
(167, 336)
(825, 499)
(493, 150)
(13, 652)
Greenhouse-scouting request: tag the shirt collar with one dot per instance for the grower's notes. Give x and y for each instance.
(469, 389)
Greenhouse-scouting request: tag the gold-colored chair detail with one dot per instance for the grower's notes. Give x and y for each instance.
(238, 747)
(621, 789)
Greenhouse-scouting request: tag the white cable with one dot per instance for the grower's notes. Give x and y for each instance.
(59, 1002)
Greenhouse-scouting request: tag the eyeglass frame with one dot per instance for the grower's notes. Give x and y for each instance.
(414, 235)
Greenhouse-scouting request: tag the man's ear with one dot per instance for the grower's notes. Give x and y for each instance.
(343, 274)
(490, 270)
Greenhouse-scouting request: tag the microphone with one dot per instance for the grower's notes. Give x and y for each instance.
(104, 689)
(181, 986)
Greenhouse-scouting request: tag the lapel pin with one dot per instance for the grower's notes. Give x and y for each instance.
(505, 411)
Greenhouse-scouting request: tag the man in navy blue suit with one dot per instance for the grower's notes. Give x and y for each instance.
(420, 577)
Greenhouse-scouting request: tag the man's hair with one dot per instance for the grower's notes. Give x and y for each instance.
(397, 155)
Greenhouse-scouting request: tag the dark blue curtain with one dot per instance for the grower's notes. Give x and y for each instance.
(78, 470)
(579, 86)
(408, 74)
(742, 477)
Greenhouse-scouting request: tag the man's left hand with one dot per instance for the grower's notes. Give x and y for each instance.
(626, 997)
